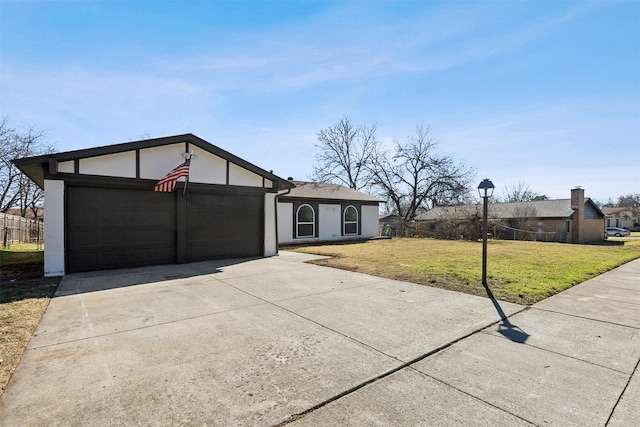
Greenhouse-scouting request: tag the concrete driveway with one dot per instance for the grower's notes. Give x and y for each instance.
(276, 341)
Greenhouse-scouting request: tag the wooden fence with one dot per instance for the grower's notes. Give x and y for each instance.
(16, 229)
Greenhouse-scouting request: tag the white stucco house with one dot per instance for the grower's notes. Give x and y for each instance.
(315, 212)
(622, 217)
(103, 208)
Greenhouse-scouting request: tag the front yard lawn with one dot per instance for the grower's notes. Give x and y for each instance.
(520, 272)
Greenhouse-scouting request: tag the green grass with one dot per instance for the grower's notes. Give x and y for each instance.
(24, 247)
(521, 272)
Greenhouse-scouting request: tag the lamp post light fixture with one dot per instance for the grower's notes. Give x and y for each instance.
(485, 190)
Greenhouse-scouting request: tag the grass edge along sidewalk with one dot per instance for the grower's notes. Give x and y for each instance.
(519, 272)
(24, 297)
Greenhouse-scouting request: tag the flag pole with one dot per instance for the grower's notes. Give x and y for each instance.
(187, 156)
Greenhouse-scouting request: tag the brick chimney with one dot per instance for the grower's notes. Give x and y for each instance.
(577, 219)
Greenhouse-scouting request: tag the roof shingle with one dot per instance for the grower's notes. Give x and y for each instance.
(315, 190)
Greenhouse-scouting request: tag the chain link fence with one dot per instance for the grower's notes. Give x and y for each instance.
(506, 232)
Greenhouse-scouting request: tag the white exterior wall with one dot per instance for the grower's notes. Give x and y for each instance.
(207, 168)
(241, 176)
(66, 167)
(54, 228)
(285, 222)
(369, 221)
(118, 164)
(156, 162)
(329, 223)
(270, 242)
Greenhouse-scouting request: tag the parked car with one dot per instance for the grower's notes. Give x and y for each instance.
(617, 232)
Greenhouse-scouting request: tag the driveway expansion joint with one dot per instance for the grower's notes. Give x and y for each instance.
(586, 318)
(613, 410)
(404, 365)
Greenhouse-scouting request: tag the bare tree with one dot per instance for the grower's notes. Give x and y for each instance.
(415, 177)
(632, 202)
(17, 190)
(521, 192)
(608, 203)
(525, 219)
(344, 154)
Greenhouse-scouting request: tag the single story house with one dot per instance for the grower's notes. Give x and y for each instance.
(102, 211)
(313, 212)
(622, 217)
(574, 220)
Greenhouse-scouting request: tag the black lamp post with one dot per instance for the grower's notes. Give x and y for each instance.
(485, 189)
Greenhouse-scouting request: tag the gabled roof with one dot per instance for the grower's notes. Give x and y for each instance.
(612, 211)
(35, 167)
(559, 208)
(388, 216)
(314, 190)
(450, 212)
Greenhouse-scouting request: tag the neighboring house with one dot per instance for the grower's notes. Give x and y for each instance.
(622, 217)
(574, 220)
(390, 225)
(102, 211)
(324, 212)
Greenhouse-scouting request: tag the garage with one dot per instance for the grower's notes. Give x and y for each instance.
(102, 210)
(224, 226)
(114, 228)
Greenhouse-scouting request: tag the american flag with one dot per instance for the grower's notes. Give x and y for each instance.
(168, 183)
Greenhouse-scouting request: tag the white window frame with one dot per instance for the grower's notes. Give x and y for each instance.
(345, 222)
(312, 223)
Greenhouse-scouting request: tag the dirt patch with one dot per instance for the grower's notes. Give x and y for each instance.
(30, 270)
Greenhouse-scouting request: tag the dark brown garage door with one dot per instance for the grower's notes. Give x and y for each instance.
(115, 228)
(224, 226)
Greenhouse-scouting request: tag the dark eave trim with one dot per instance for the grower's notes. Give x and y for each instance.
(148, 184)
(34, 167)
(284, 198)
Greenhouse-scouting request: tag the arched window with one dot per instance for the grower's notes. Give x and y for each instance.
(305, 221)
(350, 220)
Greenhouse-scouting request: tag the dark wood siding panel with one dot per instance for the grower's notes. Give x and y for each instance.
(115, 228)
(224, 225)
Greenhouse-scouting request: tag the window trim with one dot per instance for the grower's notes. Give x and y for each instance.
(345, 222)
(298, 223)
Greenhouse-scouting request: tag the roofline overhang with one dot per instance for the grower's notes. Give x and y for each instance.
(37, 167)
(289, 198)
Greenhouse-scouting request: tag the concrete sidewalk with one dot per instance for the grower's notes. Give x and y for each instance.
(573, 360)
(278, 342)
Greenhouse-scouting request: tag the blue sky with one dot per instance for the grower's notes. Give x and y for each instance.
(541, 92)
